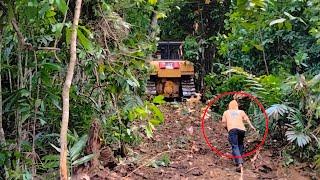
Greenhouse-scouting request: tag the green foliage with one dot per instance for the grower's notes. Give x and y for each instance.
(163, 161)
(300, 138)
(191, 49)
(115, 42)
(272, 92)
(158, 99)
(277, 30)
(109, 80)
(317, 161)
(277, 110)
(235, 83)
(62, 6)
(75, 153)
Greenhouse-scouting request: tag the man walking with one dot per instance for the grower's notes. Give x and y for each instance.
(233, 119)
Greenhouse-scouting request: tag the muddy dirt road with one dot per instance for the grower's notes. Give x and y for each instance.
(178, 151)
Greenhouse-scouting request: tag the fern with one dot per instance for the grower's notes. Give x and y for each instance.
(266, 88)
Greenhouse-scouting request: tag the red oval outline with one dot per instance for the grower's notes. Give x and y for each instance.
(219, 96)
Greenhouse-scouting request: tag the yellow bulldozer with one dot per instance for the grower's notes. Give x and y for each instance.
(172, 76)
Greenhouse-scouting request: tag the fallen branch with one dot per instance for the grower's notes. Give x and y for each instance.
(255, 156)
(48, 48)
(192, 169)
(154, 159)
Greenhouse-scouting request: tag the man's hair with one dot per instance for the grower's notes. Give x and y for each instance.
(233, 105)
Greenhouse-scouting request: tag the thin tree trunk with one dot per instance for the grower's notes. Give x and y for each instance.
(153, 24)
(9, 75)
(18, 113)
(2, 135)
(264, 54)
(35, 119)
(65, 93)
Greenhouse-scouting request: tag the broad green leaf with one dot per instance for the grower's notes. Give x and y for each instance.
(78, 147)
(148, 131)
(83, 160)
(24, 93)
(25, 116)
(55, 147)
(62, 6)
(44, 9)
(42, 121)
(157, 113)
(314, 81)
(27, 176)
(86, 31)
(24, 107)
(158, 99)
(259, 47)
(57, 28)
(52, 66)
(55, 101)
(245, 48)
(84, 41)
(50, 14)
(50, 161)
(153, 2)
(10, 102)
(141, 112)
(288, 25)
(131, 116)
(131, 83)
(68, 35)
(317, 161)
(155, 121)
(161, 15)
(277, 21)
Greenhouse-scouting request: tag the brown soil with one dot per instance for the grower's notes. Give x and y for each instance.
(180, 139)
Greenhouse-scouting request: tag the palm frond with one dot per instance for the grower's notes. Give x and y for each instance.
(277, 110)
(301, 138)
(314, 81)
(297, 120)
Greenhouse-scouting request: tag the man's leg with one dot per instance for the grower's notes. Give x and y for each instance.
(233, 139)
(241, 135)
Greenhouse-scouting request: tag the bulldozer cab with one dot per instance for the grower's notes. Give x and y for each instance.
(172, 76)
(169, 50)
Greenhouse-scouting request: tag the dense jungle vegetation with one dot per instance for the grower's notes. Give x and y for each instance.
(269, 48)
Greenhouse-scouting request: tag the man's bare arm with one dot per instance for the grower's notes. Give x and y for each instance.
(224, 120)
(246, 118)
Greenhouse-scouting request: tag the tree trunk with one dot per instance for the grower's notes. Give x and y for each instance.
(2, 135)
(65, 93)
(264, 54)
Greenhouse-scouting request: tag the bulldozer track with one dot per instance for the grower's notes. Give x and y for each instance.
(151, 87)
(188, 87)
